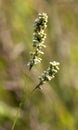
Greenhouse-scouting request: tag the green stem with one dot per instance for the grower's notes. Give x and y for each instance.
(37, 87)
(20, 105)
(16, 118)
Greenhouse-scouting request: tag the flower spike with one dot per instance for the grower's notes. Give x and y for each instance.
(39, 37)
(49, 74)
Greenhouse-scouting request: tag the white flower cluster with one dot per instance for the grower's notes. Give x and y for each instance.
(39, 36)
(49, 73)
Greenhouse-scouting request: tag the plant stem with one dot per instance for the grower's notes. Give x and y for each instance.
(20, 104)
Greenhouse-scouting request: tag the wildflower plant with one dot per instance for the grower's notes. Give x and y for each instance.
(39, 37)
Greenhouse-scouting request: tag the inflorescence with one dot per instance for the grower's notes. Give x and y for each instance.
(49, 73)
(39, 37)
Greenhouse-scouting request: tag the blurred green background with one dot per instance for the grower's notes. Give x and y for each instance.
(55, 106)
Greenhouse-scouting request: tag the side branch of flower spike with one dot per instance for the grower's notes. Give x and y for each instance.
(49, 74)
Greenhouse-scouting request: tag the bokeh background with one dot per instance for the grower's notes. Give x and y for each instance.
(55, 106)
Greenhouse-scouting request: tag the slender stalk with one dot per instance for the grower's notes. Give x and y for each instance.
(16, 118)
(20, 104)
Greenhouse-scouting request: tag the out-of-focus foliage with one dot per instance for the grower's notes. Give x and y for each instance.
(55, 106)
